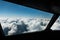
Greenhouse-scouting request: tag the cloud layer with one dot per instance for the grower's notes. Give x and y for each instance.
(13, 26)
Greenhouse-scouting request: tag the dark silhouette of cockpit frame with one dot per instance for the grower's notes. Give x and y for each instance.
(44, 5)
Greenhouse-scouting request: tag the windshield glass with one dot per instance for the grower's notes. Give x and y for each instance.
(17, 19)
(56, 25)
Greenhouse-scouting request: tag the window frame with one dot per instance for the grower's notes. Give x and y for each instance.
(52, 21)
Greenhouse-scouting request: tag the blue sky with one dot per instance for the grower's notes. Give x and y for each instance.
(13, 10)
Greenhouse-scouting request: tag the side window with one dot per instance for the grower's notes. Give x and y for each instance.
(17, 19)
(56, 25)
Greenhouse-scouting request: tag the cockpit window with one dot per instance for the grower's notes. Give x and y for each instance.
(17, 19)
(56, 25)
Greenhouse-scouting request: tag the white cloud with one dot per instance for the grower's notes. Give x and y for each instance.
(22, 25)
